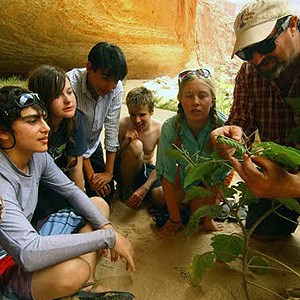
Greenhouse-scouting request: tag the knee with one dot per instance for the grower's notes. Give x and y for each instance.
(134, 148)
(101, 205)
(157, 195)
(74, 274)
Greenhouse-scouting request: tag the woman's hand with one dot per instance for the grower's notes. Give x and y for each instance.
(170, 228)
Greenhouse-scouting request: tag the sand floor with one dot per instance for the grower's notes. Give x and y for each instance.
(161, 265)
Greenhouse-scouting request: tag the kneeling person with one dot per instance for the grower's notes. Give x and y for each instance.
(139, 135)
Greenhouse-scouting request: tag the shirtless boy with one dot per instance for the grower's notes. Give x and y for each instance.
(139, 135)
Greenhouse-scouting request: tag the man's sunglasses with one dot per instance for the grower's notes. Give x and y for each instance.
(188, 73)
(24, 100)
(264, 47)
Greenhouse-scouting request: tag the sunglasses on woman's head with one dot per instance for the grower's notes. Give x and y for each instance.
(24, 100)
(188, 73)
(27, 99)
(264, 47)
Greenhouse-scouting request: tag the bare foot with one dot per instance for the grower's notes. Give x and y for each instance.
(210, 225)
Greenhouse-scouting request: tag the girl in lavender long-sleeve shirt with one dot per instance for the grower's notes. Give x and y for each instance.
(33, 266)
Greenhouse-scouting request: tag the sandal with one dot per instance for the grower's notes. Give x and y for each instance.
(111, 295)
(160, 215)
(224, 213)
(242, 214)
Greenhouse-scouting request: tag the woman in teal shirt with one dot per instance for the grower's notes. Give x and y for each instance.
(190, 130)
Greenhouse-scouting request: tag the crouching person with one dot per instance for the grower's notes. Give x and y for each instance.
(61, 261)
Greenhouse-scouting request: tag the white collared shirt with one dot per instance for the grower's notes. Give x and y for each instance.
(96, 114)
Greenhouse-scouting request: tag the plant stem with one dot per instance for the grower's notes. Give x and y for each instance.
(245, 260)
(185, 156)
(270, 268)
(266, 289)
(278, 262)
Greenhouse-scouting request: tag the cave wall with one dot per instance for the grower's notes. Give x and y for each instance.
(214, 32)
(157, 37)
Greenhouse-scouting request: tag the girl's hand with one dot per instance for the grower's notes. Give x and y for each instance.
(170, 228)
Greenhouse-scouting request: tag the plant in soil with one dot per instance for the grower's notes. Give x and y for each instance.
(227, 248)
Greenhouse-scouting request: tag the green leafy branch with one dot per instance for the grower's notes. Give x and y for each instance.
(287, 156)
(202, 174)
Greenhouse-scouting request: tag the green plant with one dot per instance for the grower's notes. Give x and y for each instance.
(229, 248)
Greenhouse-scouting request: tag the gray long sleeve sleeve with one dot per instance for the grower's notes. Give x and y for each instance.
(17, 236)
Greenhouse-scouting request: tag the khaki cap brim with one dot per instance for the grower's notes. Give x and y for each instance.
(253, 35)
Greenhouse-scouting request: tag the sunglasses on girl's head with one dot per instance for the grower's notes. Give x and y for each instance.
(264, 47)
(188, 73)
(27, 99)
(24, 100)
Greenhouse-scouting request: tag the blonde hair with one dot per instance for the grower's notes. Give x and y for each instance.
(139, 97)
(209, 81)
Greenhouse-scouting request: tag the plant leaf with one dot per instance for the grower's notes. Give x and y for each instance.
(177, 155)
(196, 191)
(226, 191)
(219, 172)
(215, 155)
(198, 172)
(199, 265)
(202, 211)
(288, 156)
(227, 247)
(246, 195)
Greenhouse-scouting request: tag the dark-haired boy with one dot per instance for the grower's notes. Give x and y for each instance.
(99, 91)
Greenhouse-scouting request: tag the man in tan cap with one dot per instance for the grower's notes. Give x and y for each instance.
(268, 40)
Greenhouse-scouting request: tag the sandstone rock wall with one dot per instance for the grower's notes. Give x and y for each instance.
(158, 37)
(214, 32)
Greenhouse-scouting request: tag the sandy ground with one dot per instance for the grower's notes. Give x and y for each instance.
(161, 265)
